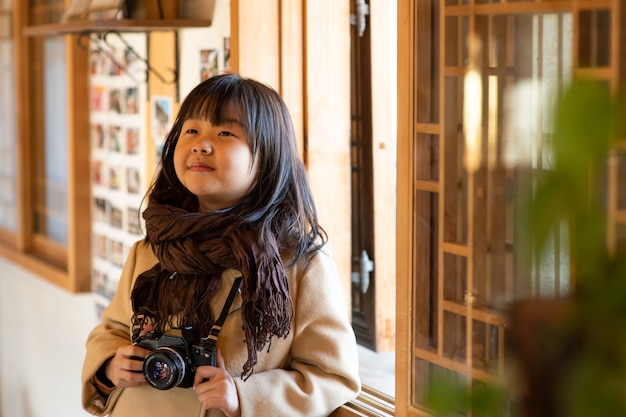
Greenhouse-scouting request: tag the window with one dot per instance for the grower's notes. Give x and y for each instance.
(8, 148)
(466, 64)
(49, 153)
(44, 215)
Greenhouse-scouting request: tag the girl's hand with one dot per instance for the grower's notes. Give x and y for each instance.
(216, 389)
(125, 369)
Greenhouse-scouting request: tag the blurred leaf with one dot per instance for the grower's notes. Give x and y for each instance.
(585, 127)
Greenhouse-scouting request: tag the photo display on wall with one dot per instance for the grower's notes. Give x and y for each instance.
(118, 97)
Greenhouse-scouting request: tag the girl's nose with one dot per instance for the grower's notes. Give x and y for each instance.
(202, 147)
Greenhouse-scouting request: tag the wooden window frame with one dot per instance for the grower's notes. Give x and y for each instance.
(67, 267)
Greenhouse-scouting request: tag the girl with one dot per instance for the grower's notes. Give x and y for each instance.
(231, 199)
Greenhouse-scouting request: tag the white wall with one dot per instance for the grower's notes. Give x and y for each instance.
(42, 343)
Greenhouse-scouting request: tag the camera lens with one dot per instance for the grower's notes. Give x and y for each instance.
(164, 368)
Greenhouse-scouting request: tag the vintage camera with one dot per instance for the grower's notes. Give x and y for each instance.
(176, 353)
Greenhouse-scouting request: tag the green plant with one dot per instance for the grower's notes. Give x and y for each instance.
(584, 363)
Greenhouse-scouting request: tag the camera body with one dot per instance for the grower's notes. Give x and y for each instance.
(176, 353)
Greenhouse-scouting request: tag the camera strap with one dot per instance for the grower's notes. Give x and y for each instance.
(215, 331)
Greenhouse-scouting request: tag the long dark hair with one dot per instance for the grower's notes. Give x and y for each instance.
(281, 202)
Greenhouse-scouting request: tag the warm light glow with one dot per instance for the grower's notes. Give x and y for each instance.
(472, 117)
(492, 120)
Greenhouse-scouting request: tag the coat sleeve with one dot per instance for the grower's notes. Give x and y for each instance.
(323, 372)
(106, 338)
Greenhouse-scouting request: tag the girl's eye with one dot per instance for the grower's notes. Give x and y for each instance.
(225, 133)
(192, 131)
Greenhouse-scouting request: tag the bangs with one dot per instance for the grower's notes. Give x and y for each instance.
(217, 104)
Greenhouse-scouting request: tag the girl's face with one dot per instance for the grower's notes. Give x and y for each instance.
(214, 162)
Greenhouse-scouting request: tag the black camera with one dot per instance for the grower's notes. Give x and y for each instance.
(176, 353)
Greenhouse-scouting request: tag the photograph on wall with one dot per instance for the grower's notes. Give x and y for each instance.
(98, 62)
(116, 217)
(97, 135)
(208, 63)
(100, 283)
(203, 53)
(99, 210)
(130, 101)
(114, 138)
(133, 180)
(162, 119)
(99, 98)
(134, 220)
(114, 177)
(115, 101)
(100, 245)
(132, 140)
(226, 53)
(97, 173)
(117, 253)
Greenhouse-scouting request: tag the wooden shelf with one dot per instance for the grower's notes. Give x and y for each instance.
(121, 25)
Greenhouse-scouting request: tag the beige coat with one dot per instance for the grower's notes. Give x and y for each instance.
(310, 373)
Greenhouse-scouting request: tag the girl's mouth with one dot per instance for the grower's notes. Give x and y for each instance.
(200, 166)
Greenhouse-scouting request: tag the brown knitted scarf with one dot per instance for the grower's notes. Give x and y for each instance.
(193, 250)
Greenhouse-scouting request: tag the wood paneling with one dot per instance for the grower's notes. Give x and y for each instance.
(327, 131)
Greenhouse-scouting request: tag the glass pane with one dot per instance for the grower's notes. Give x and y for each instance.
(595, 38)
(8, 139)
(457, 29)
(426, 270)
(435, 381)
(51, 165)
(487, 346)
(454, 184)
(455, 338)
(427, 157)
(454, 280)
(427, 72)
